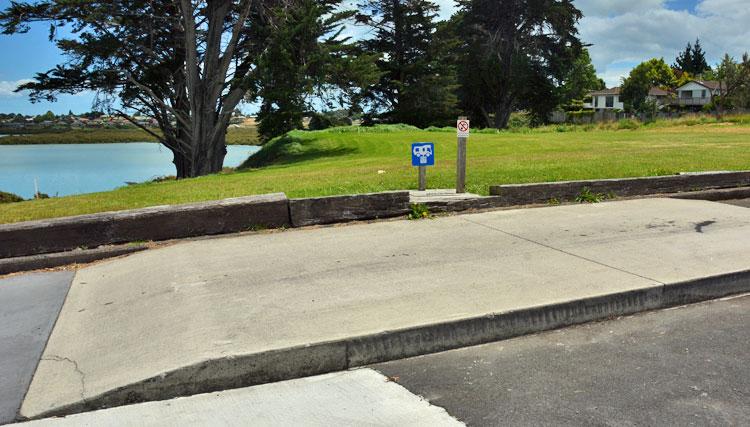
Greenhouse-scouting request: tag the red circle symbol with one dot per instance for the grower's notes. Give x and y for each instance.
(463, 126)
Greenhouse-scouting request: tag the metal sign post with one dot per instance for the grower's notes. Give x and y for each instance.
(422, 155)
(462, 130)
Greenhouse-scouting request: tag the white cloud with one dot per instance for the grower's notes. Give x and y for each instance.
(626, 32)
(7, 88)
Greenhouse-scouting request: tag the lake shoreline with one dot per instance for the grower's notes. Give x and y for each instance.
(235, 136)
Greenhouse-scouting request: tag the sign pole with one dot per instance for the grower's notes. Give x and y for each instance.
(422, 156)
(461, 156)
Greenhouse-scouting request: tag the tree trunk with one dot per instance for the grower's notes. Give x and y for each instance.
(502, 111)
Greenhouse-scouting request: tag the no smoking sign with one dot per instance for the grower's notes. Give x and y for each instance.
(462, 126)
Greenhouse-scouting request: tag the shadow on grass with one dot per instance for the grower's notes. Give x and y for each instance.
(290, 149)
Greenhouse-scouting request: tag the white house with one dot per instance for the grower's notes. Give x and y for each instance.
(697, 93)
(607, 99)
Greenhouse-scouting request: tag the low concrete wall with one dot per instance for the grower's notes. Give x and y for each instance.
(154, 223)
(329, 210)
(522, 194)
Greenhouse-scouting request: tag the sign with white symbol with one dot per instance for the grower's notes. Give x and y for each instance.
(423, 154)
(462, 126)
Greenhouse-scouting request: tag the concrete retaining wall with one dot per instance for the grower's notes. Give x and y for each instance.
(329, 210)
(522, 194)
(154, 223)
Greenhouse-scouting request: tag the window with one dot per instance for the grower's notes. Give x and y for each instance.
(610, 102)
(686, 94)
(703, 94)
(596, 102)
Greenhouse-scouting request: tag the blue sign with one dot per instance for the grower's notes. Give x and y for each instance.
(423, 154)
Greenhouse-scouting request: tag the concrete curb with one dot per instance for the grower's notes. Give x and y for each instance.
(523, 194)
(82, 256)
(153, 223)
(319, 358)
(715, 195)
(335, 209)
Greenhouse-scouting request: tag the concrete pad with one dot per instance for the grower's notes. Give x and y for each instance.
(29, 306)
(361, 397)
(665, 240)
(191, 315)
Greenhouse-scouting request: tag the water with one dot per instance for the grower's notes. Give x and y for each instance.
(64, 169)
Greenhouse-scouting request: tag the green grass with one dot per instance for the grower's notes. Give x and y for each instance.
(235, 136)
(358, 160)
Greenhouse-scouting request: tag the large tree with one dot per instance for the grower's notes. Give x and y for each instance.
(734, 83)
(307, 59)
(515, 53)
(186, 63)
(645, 76)
(417, 81)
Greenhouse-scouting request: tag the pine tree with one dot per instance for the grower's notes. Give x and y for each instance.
(515, 54)
(417, 81)
(305, 53)
(684, 61)
(699, 65)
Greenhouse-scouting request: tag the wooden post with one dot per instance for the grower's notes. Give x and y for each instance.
(461, 164)
(422, 178)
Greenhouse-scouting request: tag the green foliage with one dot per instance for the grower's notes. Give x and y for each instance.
(692, 60)
(580, 80)
(304, 55)
(508, 64)
(418, 211)
(417, 80)
(329, 119)
(586, 196)
(649, 74)
(735, 79)
(519, 120)
(628, 124)
(9, 197)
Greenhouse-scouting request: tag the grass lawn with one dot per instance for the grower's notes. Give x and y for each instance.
(358, 160)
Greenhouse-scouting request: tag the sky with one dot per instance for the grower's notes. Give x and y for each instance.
(622, 33)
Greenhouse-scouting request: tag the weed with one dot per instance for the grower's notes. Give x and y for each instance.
(418, 211)
(586, 196)
(553, 201)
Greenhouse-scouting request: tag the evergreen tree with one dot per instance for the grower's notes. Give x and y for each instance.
(305, 53)
(684, 60)
(699, 64)
(692, 60)
(417, 82)
(515, 54)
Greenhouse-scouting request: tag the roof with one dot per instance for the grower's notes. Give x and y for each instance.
(656, 91)
(613, 91)
(709, 84)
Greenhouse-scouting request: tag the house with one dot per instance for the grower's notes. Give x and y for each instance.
(697, 93)
(607, 99)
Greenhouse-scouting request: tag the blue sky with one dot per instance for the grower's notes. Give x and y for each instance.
(623, 33)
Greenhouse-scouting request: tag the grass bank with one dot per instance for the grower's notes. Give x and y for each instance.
(235, 136)
(357, 160)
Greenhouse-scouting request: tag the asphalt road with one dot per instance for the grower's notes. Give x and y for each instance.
(683, 366)
(29, 306)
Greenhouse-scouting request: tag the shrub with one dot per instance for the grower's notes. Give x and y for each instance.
(9, 197)
(628, 124)
(418, 211)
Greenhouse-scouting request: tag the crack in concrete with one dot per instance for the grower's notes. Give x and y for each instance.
(563, 251)
(54, 358)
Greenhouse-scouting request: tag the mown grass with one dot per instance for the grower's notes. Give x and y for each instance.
(358, 160)
(235, 136)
